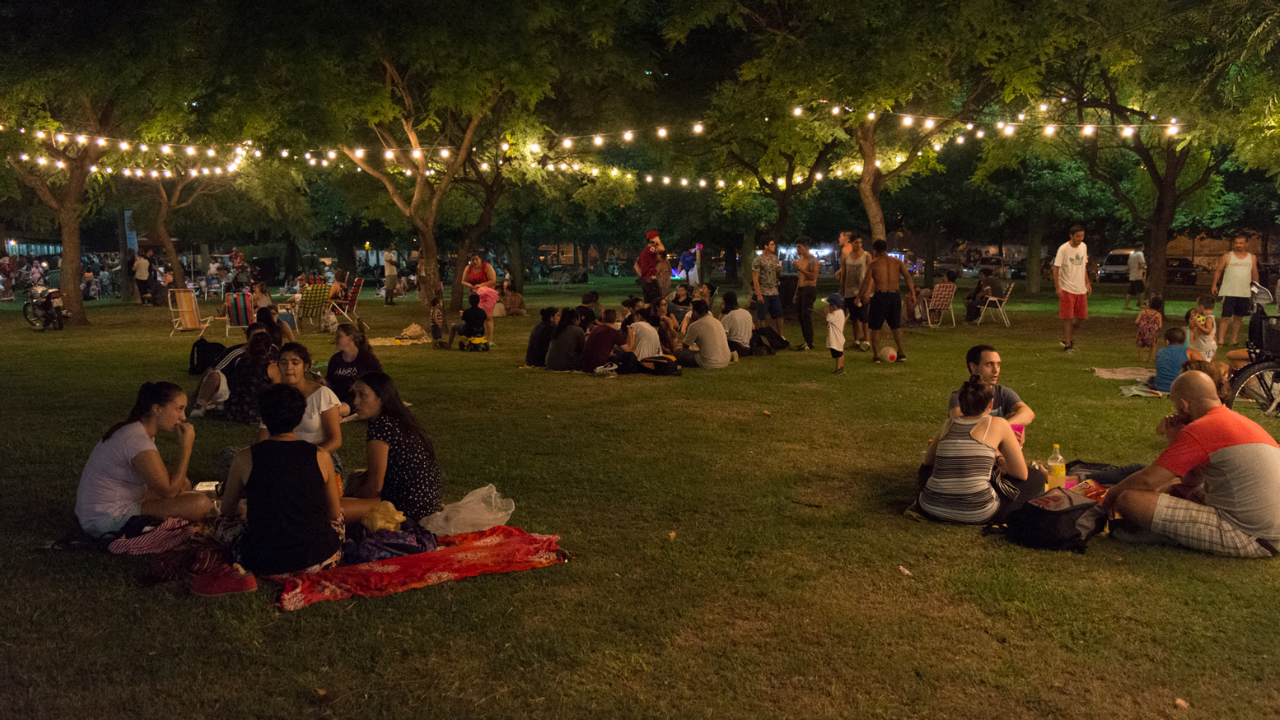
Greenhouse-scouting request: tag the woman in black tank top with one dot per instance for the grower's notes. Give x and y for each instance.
(294, 519)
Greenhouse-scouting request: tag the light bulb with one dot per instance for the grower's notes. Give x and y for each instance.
(817, 176)
(871, 116)
(311, 161)
(444, 153)
(702, 183)
(217, 171)
(1000, 124)
(60, 137)
(835, 110)
(981, 133)
(576, 166)
(907, 120)
(102, 141)
(359, 153)
(506, 147)
(595, 171)
(683, 181)
(209, 152)
(155, 174)
(1008, 129)
(388, 154)
(1022, 116)
(81, 139)
(191, 150)
(284, 153)
(416, 153)
(937, 147)
(627, 136)
(567, 143)
(257, 153)
(648, 178)
(564, 166)
(928, 123)
(1049, 130)
(1043, 107)
(839, 173)
(484, 166)
(40, 134)
(662, 132)
(598, 140)
(614, 172)
(166, 149)
(666, 181)
(194, 173)
(93, 168)
(143, 148)
(168, 174)
(59, 164)
(969, 126)
(1173, 130)
(1128, 131)
(697, 128)
(959, 139)
(204, 171)
(124, 146)
(798, 111)
(877, 163)
(739, 183)
(535, 147)
(324, 163)
(719, 183)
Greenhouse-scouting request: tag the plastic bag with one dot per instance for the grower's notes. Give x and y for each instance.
(383, 516)
(480, 510)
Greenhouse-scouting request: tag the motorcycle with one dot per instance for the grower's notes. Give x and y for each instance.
(44, 308)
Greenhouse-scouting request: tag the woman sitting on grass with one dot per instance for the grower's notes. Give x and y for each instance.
(957, 483)
(125, 475)
(320, 424)
(353, 359)
(256, 371)
(565, 350)
(540, 338)
(291, 490)
(280, 331)
(402, 462)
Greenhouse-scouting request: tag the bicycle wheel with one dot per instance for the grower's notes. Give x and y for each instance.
(1255, 393)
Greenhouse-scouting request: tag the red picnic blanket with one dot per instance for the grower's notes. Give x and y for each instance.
(499, 549)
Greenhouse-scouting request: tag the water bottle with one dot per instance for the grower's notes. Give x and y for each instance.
(1057, 469)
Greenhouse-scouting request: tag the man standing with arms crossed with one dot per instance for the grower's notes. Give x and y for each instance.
(1137, 276)
(1071, 283)
(391, 268)
(647, 267)
(853, 268)
(1235, 270)
(884, 303)
(806, 291)
(765, 271)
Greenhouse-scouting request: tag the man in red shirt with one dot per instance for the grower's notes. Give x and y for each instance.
(1216, 488)
(647, 267)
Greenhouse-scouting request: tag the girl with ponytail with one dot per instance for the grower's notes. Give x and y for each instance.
(125, 475)
(353, 359)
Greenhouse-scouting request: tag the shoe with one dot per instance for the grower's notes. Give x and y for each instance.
(197, 412)
(901, 358)
(224, 580)
(802, 347)
(607, 368)
(864, 346)
(733, 356)
(876, 360)
(1071, 349)
(1063, 344)
(838, 371)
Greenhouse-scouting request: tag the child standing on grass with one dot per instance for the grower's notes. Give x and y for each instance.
(1149, 322)
(437, 323)
(1203, 329)
(835, 330)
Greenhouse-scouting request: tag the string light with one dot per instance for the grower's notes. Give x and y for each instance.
(1043, 107)
(506, 147)
(928, 123)
(1049, 130)
(143, 148)
(666, 181)
(60, 137)
(417, 153)
(697, 128)
(1128, 131)
(662, 132)
(598, 140)
(124, 146)
(388, 154)
(959, 139)
(567, 143)
(835, 110)
(871, 116)
(907, 120)
(535, 147)
(284, 153)
(1173, 130)
(798, 111)
(209, 152)
(1086, 130)
(627, 136)
(1008, 129)
(444, 153)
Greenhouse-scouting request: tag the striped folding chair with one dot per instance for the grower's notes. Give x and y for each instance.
(184, 310)
(315, 300)
(940, 302)
(347, 306)
(239, 307)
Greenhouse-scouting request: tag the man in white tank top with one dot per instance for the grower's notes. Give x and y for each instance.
(1235, 271)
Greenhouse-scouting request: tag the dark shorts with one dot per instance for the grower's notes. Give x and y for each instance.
(1137, 287)
(1235, 306)
(856, 311)
(885, 307)
(836, 353)
(772, 304)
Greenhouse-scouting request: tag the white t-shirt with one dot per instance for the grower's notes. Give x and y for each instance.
(1072, 264)
(1137, 265)
(110, 490)
(389, 263)
(713, 346)
(647, 342)
(737, 326)
(141, 269)
(310, 429)
(835, 329)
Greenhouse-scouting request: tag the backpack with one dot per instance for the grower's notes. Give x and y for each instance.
(768, 337)
(660, 365)
(204, 355)
(1058, 520)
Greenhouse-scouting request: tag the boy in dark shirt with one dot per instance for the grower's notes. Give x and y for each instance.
(586, 312)
(472, 324)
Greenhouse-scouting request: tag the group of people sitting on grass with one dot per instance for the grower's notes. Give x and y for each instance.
(288, 487)
(1195, 342)
(1215, 488)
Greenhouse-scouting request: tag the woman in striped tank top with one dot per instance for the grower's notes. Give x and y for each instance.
(974, 471)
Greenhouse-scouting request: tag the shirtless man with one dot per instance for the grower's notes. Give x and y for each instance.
(853, 268)
(884, 302)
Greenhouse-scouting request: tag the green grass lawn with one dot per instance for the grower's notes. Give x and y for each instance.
(778, 596)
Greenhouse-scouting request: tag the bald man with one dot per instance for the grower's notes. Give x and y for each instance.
(1216, 487)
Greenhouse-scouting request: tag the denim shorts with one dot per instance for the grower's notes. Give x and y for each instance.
(772, 304)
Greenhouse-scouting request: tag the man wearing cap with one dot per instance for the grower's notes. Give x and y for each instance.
(765, 271)
(806, 291)
(647, 267)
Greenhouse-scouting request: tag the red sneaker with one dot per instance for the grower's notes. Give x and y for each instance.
(224, 580)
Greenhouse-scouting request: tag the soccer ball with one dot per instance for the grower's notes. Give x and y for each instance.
(888, 354)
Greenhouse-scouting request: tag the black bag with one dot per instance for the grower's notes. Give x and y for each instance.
(769, 337)
(1057, 520)
(204, 355)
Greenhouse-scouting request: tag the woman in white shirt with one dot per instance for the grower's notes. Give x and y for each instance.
(320, 424)
(125, 475)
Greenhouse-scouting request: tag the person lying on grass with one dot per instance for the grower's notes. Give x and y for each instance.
(402, 461)
(1215, 488)
(291, 490)
(955, 479)
(125, 475)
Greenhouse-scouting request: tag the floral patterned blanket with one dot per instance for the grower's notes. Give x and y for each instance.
(496, 550)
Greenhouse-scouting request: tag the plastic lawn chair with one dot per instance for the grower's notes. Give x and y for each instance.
(315, 300)
(184, 310)
(239, 310)
(347, 306)
(996, 306)
(940, 301)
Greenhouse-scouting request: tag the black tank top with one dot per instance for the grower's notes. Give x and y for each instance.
(288, 523)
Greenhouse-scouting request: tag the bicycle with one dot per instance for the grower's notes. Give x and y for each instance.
(1255, 388)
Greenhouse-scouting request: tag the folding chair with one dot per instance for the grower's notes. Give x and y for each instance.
(184, 310)
(996, 306)
(347, 306)
(941, 301)
(239, 310)
(315, 300)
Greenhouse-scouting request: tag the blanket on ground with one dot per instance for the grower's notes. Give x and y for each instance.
(167, 536)
(496, 550)
(1140, 390)
(1125, 373)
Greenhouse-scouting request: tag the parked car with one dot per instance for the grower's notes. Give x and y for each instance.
(1181, 271)
(945, 263)
(995, 264)
(1115, 268)
(1018, 269)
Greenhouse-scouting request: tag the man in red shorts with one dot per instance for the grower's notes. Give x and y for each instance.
(1071, 282)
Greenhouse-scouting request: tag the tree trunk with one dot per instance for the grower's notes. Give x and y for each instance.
(471, 240)
(161, 231)
(515, 254)
(429, 260)
(1035, 235)
(71, 273)
(748, 255)
(869, 191)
